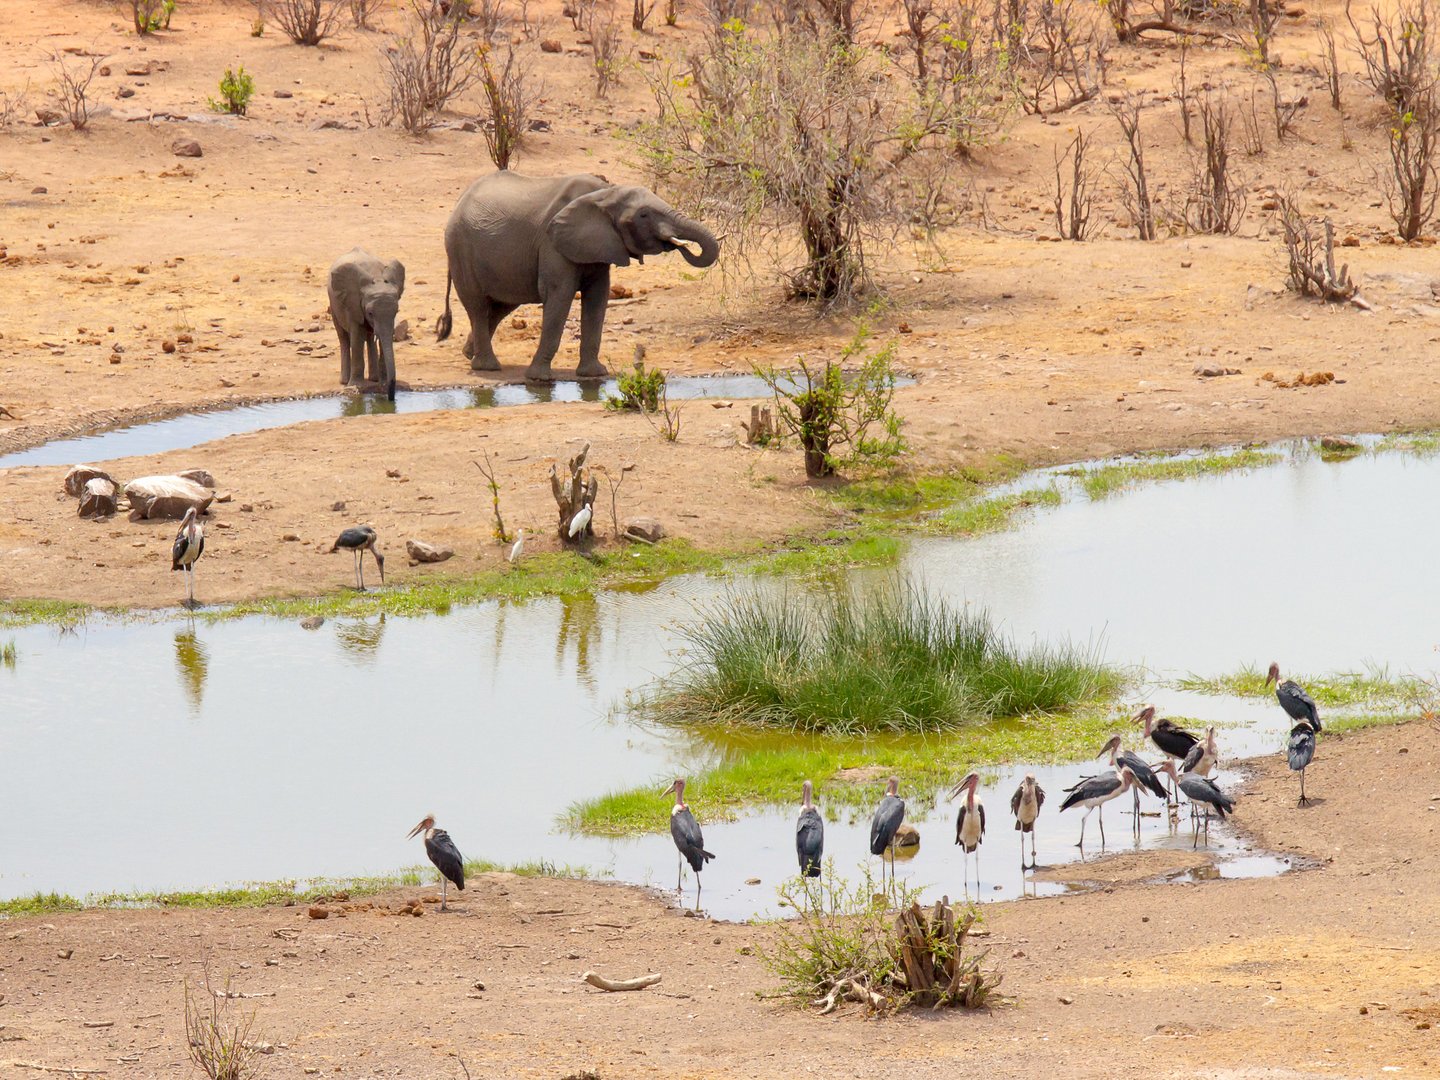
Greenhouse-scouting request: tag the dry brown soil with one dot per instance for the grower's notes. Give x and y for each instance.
(1046, 351)
(1324, 972)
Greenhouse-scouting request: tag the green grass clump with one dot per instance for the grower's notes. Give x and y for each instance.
(1106, 480)
(30, 612)
(976, 516)
(894, 661)
(39, 904)
(1372, 689)
(8, 654)
(836, 552)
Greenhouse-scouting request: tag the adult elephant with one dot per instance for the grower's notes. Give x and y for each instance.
(515, 240)
(364, 298)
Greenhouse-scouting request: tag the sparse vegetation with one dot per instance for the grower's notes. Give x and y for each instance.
(1311, 256)
(639, 388)
(1373, 689)
(426, 68)
(1073, 208)
(1103, 481)
(1135, 185)
(363, 12)
(510, 93)
(305, 22)
(236, 90)
(896, 661)
(8, 654)
(218, 1034)
(603, 27)
(499, 532)
(148, 16)
(1216, 203)
(73, 76)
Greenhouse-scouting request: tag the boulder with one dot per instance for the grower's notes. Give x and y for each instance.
(200, 476)
(166, 497)
(419, 551)
(647, 529)
(80, 475)
(906, 835)
(97, 500)
(186, 148)
(402, 330)
(1338, 444)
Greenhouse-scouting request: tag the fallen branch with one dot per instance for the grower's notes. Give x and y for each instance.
(56, 1069)
(851, 990)
(595, 979)
(234, 995)
(6, 412)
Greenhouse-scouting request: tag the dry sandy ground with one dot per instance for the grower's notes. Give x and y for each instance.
(1045, 351)
(1330, 971)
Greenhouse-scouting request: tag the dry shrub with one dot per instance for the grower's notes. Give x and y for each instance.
(14, 106)
(604, 30)
(1396, 52)
(487, 15)
(363, 12)
(219, 1040)
(1411, 184)
(510, 93)
(1216, 203)
(1072, 209)
(1066, 44)
(426, 69)
(1311, 255)
(305, 22)
(1329, 60)
(640, 14)
(73, 75)
(1135, 187)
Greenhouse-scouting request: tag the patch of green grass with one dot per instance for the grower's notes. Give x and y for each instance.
(1375, 688)
(1343, 722)
(908, 493)
(841, 552)
(896, 660)
(277, 893)
(849, 774)
(31, 612)
(1106, 480)
(8, 654)
(976, 516)
(1422, 443)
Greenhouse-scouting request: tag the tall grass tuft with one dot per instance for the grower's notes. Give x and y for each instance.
(896, 660)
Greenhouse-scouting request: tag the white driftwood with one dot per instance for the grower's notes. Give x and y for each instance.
(595, 979)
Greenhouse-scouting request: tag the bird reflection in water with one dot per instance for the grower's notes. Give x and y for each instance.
(361, 637)
(193, 661)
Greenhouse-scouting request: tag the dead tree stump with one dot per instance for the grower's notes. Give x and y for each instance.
(761, 430)
(576, 492)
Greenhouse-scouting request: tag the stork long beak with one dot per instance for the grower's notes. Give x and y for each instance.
(669, 790)
(379, 562)
(416, 831)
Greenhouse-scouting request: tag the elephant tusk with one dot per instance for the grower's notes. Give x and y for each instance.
(675, 241)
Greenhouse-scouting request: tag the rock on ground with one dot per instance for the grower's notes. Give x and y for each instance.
(97, 500)
(80, 475)
(166, 497)
(421, 552)
(645, 528)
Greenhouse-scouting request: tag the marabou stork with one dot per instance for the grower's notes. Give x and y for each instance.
(185, 552)
(809, 835)
(1198, 789)
(883, 826)
(359, 540)
(1025, 805)
(1203, 756)
(1300, 751)
(689, 841)
(1171, 739)
(1094, 792)
(1295, 701)
(970, 824)
(1144, 776)
(443, 853)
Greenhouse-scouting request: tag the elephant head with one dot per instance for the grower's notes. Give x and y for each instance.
(621, 222)
(381, 301)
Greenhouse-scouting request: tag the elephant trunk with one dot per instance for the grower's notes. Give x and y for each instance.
(685, 229)
(385, 341)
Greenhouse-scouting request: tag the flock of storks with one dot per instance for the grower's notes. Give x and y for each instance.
(1197, 757)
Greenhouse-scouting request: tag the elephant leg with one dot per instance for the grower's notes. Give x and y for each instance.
(344, 336)
(552, 330)
(594, 297)
(357, 334)
(498, 312)
(477, 345)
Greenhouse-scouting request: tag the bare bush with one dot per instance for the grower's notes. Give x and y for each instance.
(1134, 18)
(672, 12)
(509, 95)
(1396, 52)
(488, 16)
(604, 31)
(1216, 203)
(1182, 87)
(14, 105)
(220, 1042)
(1135, 188)
(640, 14)
(1066, 45)
(426, 69)
(579, 12)
(306, 22)
(363, 12)
(1410, 186)
(1259, 30)
(1329, 60)
(1312, 259)
(1072, 209)
(73, 75)
(1251, 127)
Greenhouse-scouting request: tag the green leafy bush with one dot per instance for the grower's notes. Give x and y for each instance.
(236, 90)
(640, 389)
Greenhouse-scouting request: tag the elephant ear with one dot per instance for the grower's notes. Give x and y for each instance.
(394, 273)
(584, 231)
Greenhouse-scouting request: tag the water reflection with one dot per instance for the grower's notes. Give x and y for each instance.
(579, 623)
(193, 662)
(360, 638)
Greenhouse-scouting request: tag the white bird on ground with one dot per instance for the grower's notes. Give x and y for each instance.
(579, 521)
(518, 548)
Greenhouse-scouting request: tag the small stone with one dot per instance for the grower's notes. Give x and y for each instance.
(117, 348)
(65, 954)
(223, 497)
(39, 191)
(186, 148)
(283, 94)
(289, 538)
(752, 881)
(140, 68)
(1350, 241)
(124, 92)
(1338, 443)
(402, 330)
(645, 528)
(49, 116)
(621, 292)
(80, 475)
(318, 911)
(394, 474)
(519, 324)
(1067, 1001)
(421, 552)
(338, 507)
(98, 500)
(550, 45)
(227, 384)
(246, 508)
(167, 346)
(907, 835)
(186, 339)
(114, 359)
(477, 985)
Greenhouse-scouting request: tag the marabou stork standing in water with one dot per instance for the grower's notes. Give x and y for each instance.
(1198, 789)
(809, 835)
(359, 540)
(443, 853)
(1094, 792)
(1203, 756)
(1300, 707)
(1144, 776)
(1025, 805)
(689, 841)
(185, 552)
(1171, 739)
(886, 822)
(970, 825)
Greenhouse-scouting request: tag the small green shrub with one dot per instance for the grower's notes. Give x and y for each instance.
(151, 15)
(218, 1036)
(640, 388)
(8, 654)
(236, 90)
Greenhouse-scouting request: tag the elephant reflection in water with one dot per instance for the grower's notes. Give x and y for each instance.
(193, 660)
(361, 637)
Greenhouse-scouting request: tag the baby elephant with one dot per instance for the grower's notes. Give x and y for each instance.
(364, 298)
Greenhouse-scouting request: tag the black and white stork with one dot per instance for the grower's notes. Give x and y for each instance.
(689, 841)
(1144, 776)
(359, 540)
(969, 824)
(1300, 751)
(1094, 792)
(809, 835)
(1199, 789)
(1169, 738)
(886, 823)
(443, 853)
(1300, 707)
(186, 551)
(1025, 804)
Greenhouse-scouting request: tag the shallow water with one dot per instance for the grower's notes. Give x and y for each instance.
(191, 429)
(192, 771)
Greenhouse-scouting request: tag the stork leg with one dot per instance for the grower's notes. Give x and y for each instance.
(360, 569)
(1101, 808)
(1023, 867)
(679, 873)
(697, 892)
(1303, 801)
(1136, 793)
(444, 884)
(1033, 862)
(1084, 819)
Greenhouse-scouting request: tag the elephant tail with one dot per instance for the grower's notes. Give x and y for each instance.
(446, 321)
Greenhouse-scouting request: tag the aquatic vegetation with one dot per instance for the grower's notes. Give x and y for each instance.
(8, 654)
(30, 612)
(1103, 481)
(1373, 689)
(976, 516)
(894, 661)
